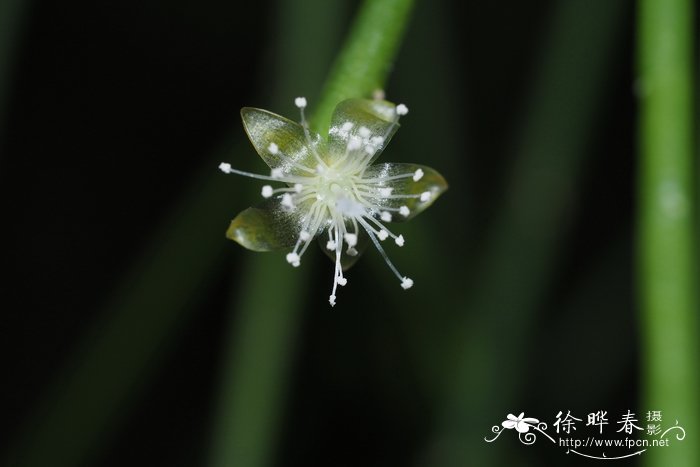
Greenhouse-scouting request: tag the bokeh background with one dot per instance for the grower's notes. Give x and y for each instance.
(134, 333)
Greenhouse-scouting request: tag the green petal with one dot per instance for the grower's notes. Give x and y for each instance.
(265, 128)
(266, 227)
(376, 115)
(431, 181)
(346, 261)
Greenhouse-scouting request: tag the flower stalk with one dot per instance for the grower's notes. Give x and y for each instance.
(667, 275)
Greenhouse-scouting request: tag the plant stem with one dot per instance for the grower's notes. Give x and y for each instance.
(262, 336)
(366, 58)
(666, 232)
(11, 22)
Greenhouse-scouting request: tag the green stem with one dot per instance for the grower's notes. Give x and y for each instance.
(366, 57)
(11, 21)
(263, 333)
(519, 260)
(666, 210)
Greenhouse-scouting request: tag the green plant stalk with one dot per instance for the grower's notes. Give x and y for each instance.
(119, 355)
(262, 337)
(11, 22)
(519, 261)
(667, 277)
(366, 58)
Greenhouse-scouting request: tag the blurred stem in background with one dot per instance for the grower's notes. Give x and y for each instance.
(262, 336)
(519, 262)
(667, 279)
(89, 397)
(11, 18)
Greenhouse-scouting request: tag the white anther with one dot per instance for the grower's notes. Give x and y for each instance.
(331, 245)
(298, 187)
(320, 169)
(385, 216)
(401, 109)
(351, 252)
(399, 240)
(266, 191)
(417, 175)
(273, 148)
(304, 235)
(287, 201)
(364, 132)
(383, 235)
(293, 259)
(406, 283)
(425, 196)
(404, 211)
(370, 149)
(354, 143)
(347, 126)
(225, 167)
(351, 239)
(300, 102)
(341, 281)
(377, 140)
(277, 172)
(385, 192)
(331, 300)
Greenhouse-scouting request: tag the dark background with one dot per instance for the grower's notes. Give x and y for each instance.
(115, 117)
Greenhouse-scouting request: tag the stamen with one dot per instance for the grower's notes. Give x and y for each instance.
(417, 175)
(404, 211)
(300, 102)
(425, 196)
(385, 192)
(266, 191)
(293, 259)
(331, 245)
(396, 272)
(401, 109)
(406, 283)
(331, 300)
(347, 126)
(383, 235)
(399, 240)
(225, 167)
(277, 173)
(342, 281)
(304, 235)
(354, 143)
(364, 132)
(385, 216)
(351, 239)
(273, 148)
(287, 201)
(298, 187)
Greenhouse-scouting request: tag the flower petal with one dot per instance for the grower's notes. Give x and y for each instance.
(509, 424)
(522, 427)
(377, 116)
(266, 227)
(280, 142)
(406, 190)
(346, 261)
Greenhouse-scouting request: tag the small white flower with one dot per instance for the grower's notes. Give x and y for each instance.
(522, 425)
(332, 189)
